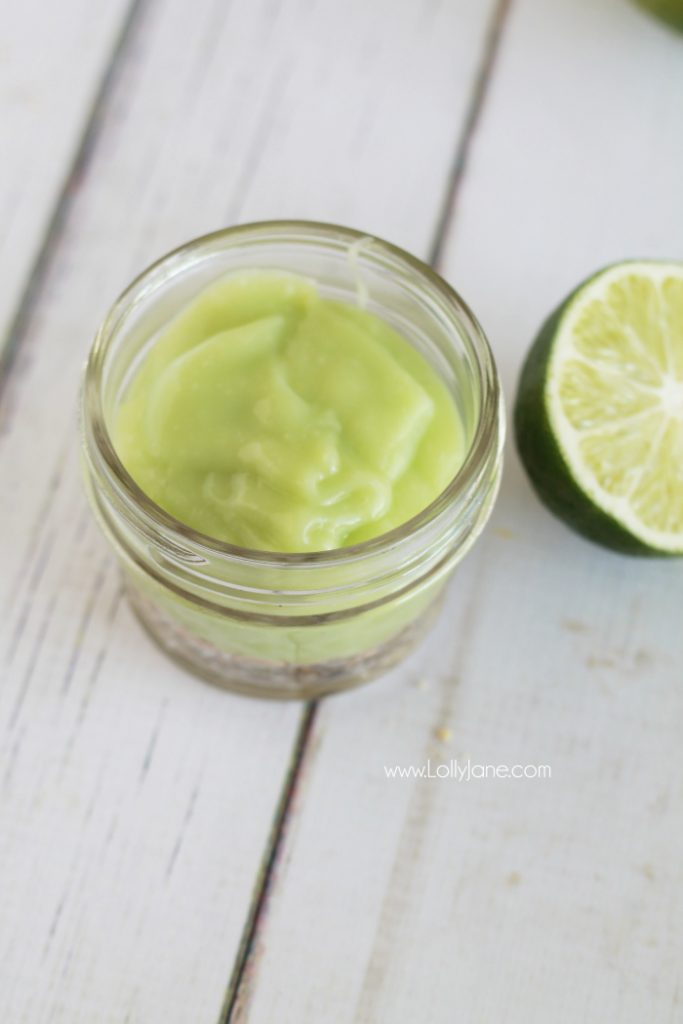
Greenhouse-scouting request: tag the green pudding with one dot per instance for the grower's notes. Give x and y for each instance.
(269, 417)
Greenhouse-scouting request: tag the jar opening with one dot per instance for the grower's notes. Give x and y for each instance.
(387, 262)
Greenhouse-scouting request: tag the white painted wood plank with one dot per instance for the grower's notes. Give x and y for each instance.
(136, 802)
(501, 900)
(52, 59)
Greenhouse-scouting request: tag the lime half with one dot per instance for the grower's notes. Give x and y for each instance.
(667, 10)
(599, 410)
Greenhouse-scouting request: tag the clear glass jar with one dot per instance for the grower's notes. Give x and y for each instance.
(292, 625)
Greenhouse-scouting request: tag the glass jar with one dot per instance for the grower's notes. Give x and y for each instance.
(292, 625)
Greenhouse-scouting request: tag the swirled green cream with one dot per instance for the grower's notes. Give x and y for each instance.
(267, 416)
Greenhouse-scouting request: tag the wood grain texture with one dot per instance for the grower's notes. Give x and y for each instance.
(135, 803)
(509, 900)
(53, 58)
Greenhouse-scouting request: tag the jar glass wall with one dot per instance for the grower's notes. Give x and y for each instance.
(292, 625)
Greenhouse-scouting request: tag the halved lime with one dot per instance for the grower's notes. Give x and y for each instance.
(599, 410)
(667, 10)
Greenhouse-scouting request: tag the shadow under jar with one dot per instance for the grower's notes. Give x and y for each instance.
(292, 625)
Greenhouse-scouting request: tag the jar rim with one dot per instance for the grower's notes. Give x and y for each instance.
(487, 433)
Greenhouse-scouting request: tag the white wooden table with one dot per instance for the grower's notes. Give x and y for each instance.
(171, 854)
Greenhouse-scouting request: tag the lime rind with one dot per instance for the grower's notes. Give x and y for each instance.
(670, 11)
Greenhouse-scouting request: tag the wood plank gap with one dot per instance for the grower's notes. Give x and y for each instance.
(236, 993)
(60, 212)
(476, 106)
